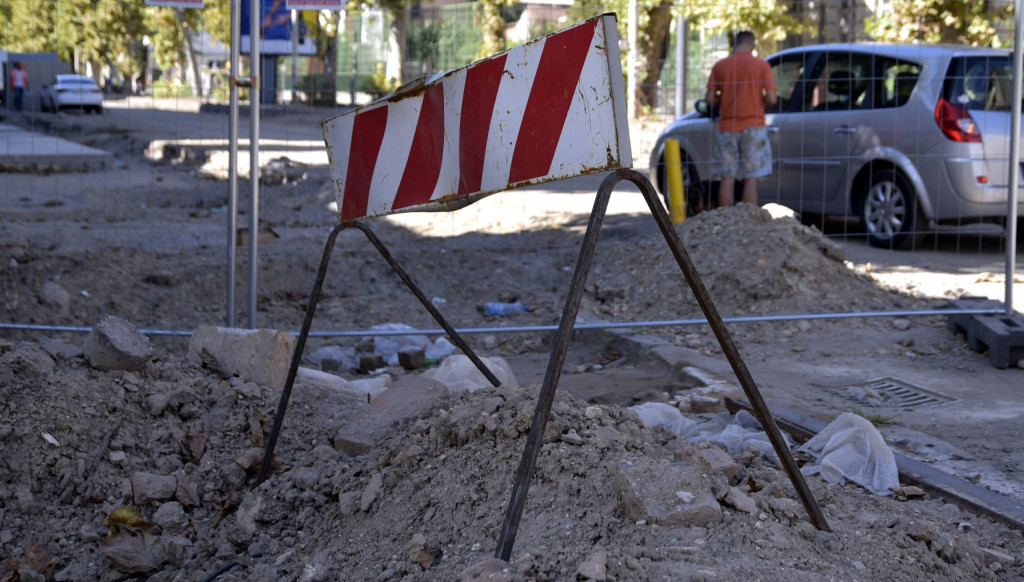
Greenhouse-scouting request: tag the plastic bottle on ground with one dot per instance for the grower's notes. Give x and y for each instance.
(498, 308)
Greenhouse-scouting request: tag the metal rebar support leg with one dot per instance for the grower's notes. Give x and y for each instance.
(534, 440)
(732, 353)
(300, 346)
(438, 317)
(314, 298)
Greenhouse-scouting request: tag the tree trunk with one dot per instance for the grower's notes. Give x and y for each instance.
(190, 53)
(395, 68)
(329, 94)
(654, 35)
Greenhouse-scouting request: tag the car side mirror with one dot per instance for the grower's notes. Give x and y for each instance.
(706, 109)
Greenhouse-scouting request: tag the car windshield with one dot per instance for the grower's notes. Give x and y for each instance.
(980, 83)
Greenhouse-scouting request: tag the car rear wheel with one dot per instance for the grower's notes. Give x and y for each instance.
(889, 211)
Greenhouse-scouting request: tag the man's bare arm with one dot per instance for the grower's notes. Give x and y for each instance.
(770, 97)
(711, 97)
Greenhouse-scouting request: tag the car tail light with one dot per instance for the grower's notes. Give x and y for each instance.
(956, 122)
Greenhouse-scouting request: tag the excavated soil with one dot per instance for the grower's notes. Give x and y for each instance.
(176, 442)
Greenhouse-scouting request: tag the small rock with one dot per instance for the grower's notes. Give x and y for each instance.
(347, 503)
(370, 493)
(593, 412)
(901, 323)
(53, 295)
(169, 515)
(595, 566)
(148, 487)
(162, 278)
(740, 500)
(572, 438)
(491, 570)
(89, 534)
(248, 509)
(117, 457)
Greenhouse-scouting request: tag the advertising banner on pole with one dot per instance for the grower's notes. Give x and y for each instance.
(177, 3)
(275, 30)
(545, 110)
(316, 4)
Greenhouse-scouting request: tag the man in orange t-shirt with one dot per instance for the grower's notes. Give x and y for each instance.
(741, 85)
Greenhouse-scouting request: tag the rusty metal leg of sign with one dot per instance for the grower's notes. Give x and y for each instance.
(728, 346)
(314, 297)
(448, 329)
(300, 345)
(535, 439)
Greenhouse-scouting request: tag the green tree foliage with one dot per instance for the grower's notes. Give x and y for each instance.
(969, 22)
(767, 18)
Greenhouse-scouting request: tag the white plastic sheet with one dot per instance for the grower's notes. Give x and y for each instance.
(852, 449)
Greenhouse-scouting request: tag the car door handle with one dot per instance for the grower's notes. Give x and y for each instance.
(844, 130)
(772, 129)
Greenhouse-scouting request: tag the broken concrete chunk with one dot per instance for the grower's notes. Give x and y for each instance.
(737, 498)
(28, 361)
(408, 398)
(648, 489)
(412, 359)
(371, 362)
(720, 461)
(115, 344)
(594, 567)
(364, 390)
(254, 355)
(459, 374)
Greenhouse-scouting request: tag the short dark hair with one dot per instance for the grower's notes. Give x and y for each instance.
(744, 37)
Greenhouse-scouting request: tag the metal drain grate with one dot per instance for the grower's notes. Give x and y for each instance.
(891, 393)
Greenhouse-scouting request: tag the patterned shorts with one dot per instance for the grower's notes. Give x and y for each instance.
(746, 154)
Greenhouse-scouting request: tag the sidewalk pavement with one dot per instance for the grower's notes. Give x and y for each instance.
(20, 148)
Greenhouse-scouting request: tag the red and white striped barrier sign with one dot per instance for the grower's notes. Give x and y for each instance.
(549, 109)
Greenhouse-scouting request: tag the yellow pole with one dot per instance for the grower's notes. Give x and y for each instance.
(674, 173)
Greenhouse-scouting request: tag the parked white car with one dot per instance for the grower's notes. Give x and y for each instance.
(72, 91)
(903, 137)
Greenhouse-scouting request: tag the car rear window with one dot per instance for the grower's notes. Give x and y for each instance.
(980, 83)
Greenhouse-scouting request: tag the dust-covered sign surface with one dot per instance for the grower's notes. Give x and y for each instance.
(546, 110)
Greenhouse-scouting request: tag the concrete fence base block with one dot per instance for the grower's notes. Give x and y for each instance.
(115, 344)
(254, 355)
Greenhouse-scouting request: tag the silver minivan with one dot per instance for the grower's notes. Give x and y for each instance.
(904, 137)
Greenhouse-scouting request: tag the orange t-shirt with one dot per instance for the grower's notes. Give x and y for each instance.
(741, 78)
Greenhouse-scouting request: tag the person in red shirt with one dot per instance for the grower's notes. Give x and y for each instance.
(19, 82)
(741, 85)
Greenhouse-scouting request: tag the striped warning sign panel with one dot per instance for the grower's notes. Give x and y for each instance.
(546, 110)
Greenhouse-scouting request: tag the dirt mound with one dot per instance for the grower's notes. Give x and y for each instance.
(178, 445)
(749, 262)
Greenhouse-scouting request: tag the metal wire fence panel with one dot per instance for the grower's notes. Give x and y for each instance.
(872, 145)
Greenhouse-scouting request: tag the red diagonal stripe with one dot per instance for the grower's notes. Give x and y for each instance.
(478, 97)
(424, 163)
(367, 134)
(553, 86)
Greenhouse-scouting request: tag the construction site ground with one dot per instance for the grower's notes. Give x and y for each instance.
(143, 238)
